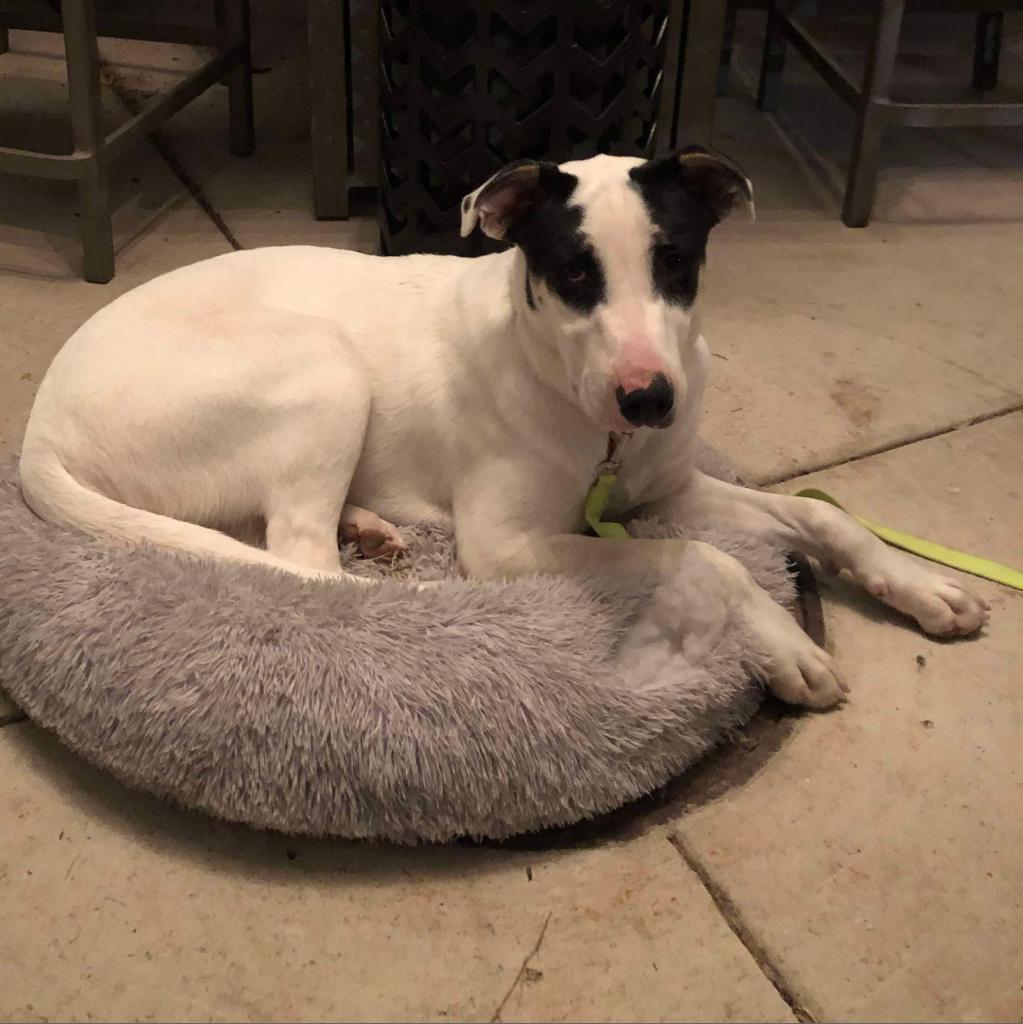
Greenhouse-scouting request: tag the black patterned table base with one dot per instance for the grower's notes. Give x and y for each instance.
(467, 87)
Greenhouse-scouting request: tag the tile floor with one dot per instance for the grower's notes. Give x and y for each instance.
(857, 865)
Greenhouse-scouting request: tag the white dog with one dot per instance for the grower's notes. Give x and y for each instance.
(294, 388)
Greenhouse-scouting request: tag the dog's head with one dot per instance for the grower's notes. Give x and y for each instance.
(613, 248)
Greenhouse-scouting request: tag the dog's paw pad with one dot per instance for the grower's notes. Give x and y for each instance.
(808, 678)
(375, 543)
(375, 537)
(941, 606)
(946, 609)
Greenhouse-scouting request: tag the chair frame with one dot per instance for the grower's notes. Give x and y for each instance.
(88, 163)
(872, 102)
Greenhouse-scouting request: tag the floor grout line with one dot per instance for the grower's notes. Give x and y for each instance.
(893, 446)
(734, 919)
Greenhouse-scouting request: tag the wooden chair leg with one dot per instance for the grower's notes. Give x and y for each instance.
(696, 77)
(987, 48)
(5, 40)
(870, 122)
(82, 52)
(772, 61)
(328, 80)
(727, 42)
(233, 27)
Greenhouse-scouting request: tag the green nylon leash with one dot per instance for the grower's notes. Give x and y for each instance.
(596, 505)
(600, 494)
(973, 564)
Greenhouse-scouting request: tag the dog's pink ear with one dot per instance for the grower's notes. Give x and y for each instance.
(715, 181)
(502, 199)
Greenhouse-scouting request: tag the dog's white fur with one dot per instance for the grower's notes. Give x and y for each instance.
(278, 386)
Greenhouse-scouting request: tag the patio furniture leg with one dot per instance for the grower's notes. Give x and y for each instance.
(80, 47)
(727, 42)
(695, 85)
(233, 18)
(772, 61)
(871, 118)
(328, 78)
(987, 48)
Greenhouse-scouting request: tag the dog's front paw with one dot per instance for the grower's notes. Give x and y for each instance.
(941, 606)
(796, 670)
(806, 676)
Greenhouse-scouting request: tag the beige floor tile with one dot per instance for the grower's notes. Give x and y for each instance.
(639, 950)
(118, 907)
(964, 489)
(875, 855)
(835, 341)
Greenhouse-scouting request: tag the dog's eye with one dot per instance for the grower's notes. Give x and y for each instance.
(674, 259)
(576, 273)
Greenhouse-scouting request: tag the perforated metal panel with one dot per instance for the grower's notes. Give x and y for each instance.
(468, 87)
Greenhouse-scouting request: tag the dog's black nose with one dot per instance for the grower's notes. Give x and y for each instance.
(650, 406)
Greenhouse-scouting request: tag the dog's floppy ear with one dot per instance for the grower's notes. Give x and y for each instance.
(511, 193)
(712, 179)
(716, 181)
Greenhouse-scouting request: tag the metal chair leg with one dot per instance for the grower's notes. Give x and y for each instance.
(863, 165)
(987, 48)
(233, 25)
(328, 79)
(772, 62)
(696, 78)
(81, 50)
(727, 42)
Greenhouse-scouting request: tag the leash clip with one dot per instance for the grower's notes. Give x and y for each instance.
(613, 460)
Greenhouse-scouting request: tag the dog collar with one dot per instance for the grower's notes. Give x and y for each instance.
(600, 491)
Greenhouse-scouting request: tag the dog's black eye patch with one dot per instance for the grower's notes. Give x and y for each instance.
(676, 270)
(559, 254)
(577, 277)
(681, 227)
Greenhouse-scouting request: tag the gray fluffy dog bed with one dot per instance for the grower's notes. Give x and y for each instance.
(481, 709)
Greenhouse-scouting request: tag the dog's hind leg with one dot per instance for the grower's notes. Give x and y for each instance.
(314, 447)
(376, 537)
(297, 535)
